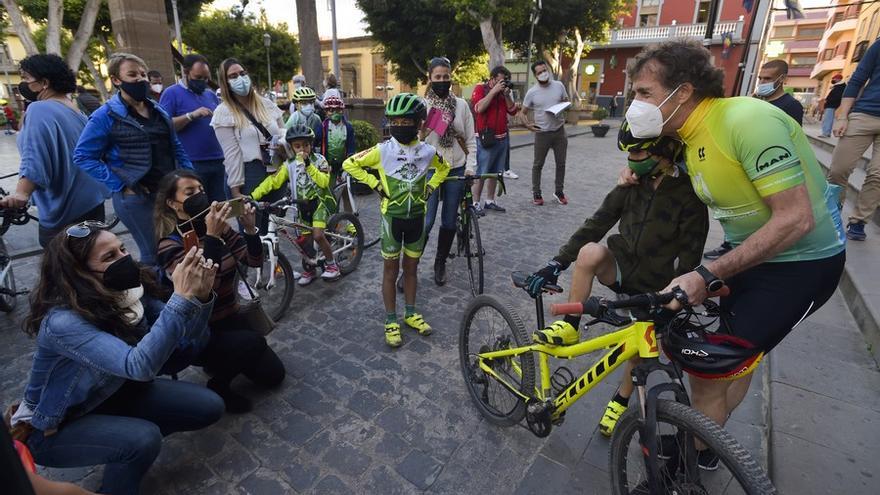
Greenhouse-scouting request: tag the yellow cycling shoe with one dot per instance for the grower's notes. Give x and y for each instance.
(559, 332)
(392, 335)
(609, 420)
(417, 323)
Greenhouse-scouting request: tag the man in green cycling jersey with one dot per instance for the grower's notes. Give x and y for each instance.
(753, 166)
(402, 163)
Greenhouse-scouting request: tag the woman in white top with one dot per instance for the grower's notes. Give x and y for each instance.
(457, 145)
(244, 143)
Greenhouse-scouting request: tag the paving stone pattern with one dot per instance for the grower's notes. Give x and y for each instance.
(354, 416)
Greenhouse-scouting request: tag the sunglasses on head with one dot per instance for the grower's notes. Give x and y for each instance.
(84, 229)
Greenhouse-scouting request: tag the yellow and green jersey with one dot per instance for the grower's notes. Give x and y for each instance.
(742, 150)
(402, 173)
(306, 182)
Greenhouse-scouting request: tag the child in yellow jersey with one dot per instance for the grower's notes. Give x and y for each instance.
(309, 177)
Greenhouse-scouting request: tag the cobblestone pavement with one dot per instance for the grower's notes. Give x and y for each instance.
(354, 416)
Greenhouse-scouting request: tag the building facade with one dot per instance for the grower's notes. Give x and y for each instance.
(838, 44)
(602, 73)
(364, 71)
(796, 41)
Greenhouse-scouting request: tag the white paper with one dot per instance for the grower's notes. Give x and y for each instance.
(558, 108)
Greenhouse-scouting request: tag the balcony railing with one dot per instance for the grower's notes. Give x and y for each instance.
(652, 34)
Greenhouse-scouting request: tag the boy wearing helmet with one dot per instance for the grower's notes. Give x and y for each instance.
(662, 231)
(402, 163)
(305, 113)
(309, 178)
(337, 143)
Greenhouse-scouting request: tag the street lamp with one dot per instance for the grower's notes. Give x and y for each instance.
(267, 40)
(533, 20)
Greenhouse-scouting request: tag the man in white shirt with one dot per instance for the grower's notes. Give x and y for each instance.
(549, 129)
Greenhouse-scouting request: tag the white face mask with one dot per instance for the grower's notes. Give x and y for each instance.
(157, 88)
(241, 85)
(307, 109)
(544, 76)
(646, 120)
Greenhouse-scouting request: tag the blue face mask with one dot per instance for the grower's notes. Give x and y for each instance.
(241, 85)
(766, 89)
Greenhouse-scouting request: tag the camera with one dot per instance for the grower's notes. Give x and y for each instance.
(506, 82)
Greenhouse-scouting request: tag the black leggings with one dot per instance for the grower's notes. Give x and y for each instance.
(234, 350)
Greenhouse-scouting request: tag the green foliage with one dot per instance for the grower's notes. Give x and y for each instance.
(82, 76)
(365, 134)
(472, 71)
(221, 35)
(187, 10)
(73, 11)
(413, 31)
(508, 12)
(600, 113)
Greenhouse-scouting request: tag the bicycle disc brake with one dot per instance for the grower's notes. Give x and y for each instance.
(538, 417)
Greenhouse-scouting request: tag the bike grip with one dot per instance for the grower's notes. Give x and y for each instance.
(724, 292)
(572, 308)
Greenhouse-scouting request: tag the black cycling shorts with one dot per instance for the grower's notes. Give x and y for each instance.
(768, 301)
(402, 234)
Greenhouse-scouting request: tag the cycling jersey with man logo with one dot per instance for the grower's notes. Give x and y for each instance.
(742, 150)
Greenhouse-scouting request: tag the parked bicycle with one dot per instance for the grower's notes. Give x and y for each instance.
(274, 281)
(653, 449)
(8, 290)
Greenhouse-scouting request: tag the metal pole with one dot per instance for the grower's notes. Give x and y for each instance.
(267, 40)
(710, 22)
(177, 32)
(335, 46)
(533, 20)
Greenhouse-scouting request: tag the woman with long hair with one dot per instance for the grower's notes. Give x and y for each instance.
(245, 125)
(63, 193)
(102, 336)
(233, 349)
(129, 144)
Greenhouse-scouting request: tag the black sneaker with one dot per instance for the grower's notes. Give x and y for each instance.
(718, 252)
(707, 460)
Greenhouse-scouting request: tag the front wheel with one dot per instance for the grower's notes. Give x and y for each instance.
(346, 236)
(274, 287)
(677, 427)
(7, 281)
(473, 250)
(491, 325)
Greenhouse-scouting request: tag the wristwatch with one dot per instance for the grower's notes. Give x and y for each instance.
(713, 283)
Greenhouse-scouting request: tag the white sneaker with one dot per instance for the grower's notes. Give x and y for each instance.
(510, 174)
(297, 275)
(306, 278)
(331, 272)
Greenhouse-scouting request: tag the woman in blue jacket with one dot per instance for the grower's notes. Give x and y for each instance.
(102, 336)
(129, 144)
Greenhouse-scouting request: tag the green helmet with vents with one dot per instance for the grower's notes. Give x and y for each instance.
(663, 146)
(299, 131)
(304, 93)
(406, 105)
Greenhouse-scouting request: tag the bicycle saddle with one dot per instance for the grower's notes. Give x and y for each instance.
(520, 280)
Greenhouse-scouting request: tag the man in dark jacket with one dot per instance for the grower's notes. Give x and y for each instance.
(831, 102)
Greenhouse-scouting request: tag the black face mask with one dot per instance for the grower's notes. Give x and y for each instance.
(138, 90)
(122, 274)
(197, 86)
(441, 88)
(404, 134)
(27, 93)
(196, 204)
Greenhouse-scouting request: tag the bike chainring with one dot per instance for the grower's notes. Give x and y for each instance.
(539, 417)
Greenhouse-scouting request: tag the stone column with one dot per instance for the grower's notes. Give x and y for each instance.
(141, 27)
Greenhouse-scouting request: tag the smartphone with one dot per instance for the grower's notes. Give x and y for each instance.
(190, 240)
(237, 207)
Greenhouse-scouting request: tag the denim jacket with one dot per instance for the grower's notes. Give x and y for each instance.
(77, 366)
(114, 148)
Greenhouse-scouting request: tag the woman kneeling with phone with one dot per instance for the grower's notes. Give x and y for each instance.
(184, 214)
(102, 336)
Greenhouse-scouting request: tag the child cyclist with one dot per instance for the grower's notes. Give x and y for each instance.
(305, 113)
(402, 163)
(309, 178)
(663, 227)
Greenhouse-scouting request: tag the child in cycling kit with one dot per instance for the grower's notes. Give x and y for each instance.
(308, 176)
(663, 227)
(402, 164)
(305, 113)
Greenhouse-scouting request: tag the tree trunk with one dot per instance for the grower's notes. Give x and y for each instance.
(572, 72)
(96, 76)
(83, 34)
(491, 32)
(21, 28)
(309, 43)
(54, 18)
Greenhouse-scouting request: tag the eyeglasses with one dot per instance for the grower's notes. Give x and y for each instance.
(84, 229)
(236, 75)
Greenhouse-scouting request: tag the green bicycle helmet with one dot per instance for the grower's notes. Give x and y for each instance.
(299, 131)
(663, 146)
(304, 93)
(406, 105)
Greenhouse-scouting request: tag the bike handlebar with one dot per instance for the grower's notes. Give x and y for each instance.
(594, 306)
(473, 177)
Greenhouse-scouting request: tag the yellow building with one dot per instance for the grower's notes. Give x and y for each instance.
(364, 72)
(838, 43)
(11, 53)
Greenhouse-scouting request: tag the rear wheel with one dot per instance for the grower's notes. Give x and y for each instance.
(276, 291)
(7, 281)
(365, 207)
(491, 325)
(678, 426)
(346, 236)
(473, 252)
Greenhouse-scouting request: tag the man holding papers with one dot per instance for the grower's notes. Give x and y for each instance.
(548, 99)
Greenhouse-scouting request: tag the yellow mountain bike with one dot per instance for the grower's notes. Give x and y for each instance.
(654, 445)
